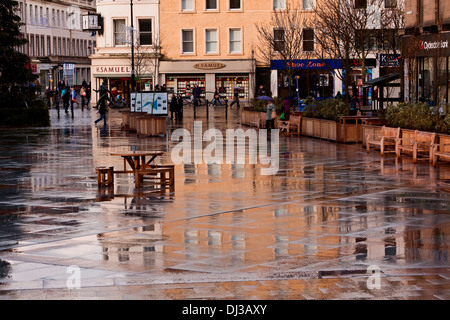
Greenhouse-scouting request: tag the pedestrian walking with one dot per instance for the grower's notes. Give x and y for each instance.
(65, 94)
(173, 107)
(235, 98)
(83, 97)
(73, 99)
(101, 103)
(180, 107)
(270, 115)
(49, 96)
(196, 92)
(216, 98)
(286, 109)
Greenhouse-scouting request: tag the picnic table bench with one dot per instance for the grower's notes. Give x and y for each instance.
(441, 150)
(293, 123)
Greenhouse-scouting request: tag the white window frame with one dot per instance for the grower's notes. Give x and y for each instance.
(193, 42)
(187, 9)
(229, 41)
(212, 9)
(114, 32)
(279, 4)
(234, 9)
(216, 41)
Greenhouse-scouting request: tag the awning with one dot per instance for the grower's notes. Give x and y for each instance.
(381, 81)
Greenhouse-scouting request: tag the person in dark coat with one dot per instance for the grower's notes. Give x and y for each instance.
(173, 107)
(180, 107)
(286, 109)
(66, 98)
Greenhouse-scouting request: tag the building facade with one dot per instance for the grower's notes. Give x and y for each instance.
(425, 48)
(57, 46)
(112, 60)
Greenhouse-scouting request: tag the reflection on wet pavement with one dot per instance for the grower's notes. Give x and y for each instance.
(312, 231)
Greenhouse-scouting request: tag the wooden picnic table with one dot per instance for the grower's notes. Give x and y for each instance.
(137, 159)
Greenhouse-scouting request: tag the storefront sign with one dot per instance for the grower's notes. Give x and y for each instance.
(306, 64)
(389, 60)
(112, 70)
(427, 45)
(209, 65)
(369, 62)
(92, 22)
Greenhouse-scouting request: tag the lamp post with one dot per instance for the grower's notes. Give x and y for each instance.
(133, 72)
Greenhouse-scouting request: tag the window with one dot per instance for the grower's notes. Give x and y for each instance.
(360, 4)
(118, 34)
(187, 5)
(278, 40)
(211, 41)
(31, 45)
(235, 41)
(145, 32)
(59, 46)
(211, 4)
(308, 4)
(235, 4)
(279, 4)
(187, 41)
(308, 39)
(54, 47)
(390, 3)
(49, 46)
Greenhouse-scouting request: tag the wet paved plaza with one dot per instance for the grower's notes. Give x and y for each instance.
(333, 223)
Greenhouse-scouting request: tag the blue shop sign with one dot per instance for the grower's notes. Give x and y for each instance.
(306, 64)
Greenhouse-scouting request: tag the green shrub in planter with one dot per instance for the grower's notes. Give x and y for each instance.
(18, 114)
(418, 116)
(329, 109)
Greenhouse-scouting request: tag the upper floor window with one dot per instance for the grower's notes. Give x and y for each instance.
(235, 40)
(308, 39)
(279, 4)
(235, 4)
(145, 32)
(360, 4)
(308, 4)
(211, 4)
(118, 25)
(390, 3)
(278, 40)
(187, 5)
(187, 39)
(211, 41)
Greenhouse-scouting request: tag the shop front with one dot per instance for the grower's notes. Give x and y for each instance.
(427, 67)
(181, 76)
(311, 77)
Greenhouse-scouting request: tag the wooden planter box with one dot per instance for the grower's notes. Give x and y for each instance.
(125, 119)
(150, 125)
(319, 128)
(249, 118)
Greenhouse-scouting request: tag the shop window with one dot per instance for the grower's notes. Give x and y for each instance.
(145, 32)
(211, 41)
(187, 41)
(187, 5)
(308, 39)
(118, 25)
(278, 40)
(235, 41)
(211, 4)
(279, 4)
(235, 4)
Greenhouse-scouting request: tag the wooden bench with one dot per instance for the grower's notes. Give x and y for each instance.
(163, 175)
(105, 176)
(420, 143)
(258, 120)
(385, 138)
(293, 123)
(441, 150)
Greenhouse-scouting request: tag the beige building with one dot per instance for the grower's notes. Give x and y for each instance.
(212, 44)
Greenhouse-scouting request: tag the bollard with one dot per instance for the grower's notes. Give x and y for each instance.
(207, 109)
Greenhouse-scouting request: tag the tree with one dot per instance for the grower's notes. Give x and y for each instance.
(348, 29)
(13, 64)
(281, 39)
